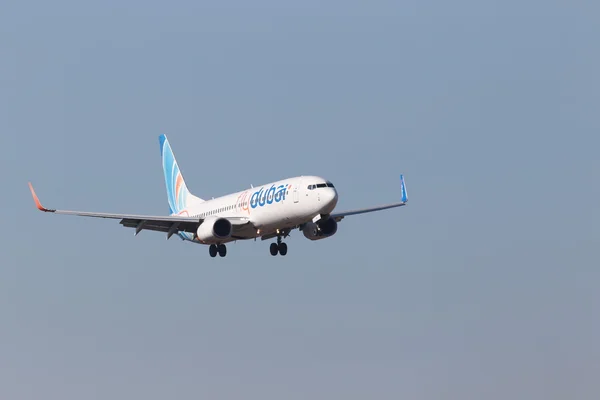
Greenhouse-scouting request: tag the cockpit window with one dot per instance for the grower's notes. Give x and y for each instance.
(320, 185)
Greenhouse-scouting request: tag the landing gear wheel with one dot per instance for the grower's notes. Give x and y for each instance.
(273, 249)
(282, 248)
(212, 250)
(222, 250)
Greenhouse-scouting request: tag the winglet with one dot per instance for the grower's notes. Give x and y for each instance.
(37, 200)
(403, 187)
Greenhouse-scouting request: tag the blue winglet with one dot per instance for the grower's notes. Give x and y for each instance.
(403, 187)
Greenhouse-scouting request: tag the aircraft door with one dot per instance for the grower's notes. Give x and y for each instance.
(295, 194)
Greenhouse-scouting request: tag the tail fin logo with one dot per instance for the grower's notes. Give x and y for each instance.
(177, 192)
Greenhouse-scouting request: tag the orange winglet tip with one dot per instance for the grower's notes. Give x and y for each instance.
(37, 200)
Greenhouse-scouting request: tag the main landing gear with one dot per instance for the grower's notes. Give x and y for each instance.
(279, 247)
(217, 248)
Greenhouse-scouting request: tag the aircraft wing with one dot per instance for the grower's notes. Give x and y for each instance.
(338, 216)
(174, 224)
(341, 215)
(170, 224)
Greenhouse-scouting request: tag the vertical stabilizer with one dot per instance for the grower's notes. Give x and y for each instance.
(177, 192)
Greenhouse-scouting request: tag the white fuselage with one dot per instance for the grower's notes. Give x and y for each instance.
(274, 206)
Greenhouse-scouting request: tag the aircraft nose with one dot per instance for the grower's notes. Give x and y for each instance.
(331, 198)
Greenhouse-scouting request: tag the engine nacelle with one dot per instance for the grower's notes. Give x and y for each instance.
(320, 230)
(214, 229)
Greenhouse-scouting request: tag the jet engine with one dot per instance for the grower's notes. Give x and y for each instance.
(322, 229)
(214, 229)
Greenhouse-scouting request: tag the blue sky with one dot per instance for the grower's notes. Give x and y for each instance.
(484, 286)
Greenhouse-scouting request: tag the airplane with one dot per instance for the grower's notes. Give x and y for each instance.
(269, 211)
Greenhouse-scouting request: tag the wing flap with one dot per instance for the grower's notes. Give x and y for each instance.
(159, 226)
